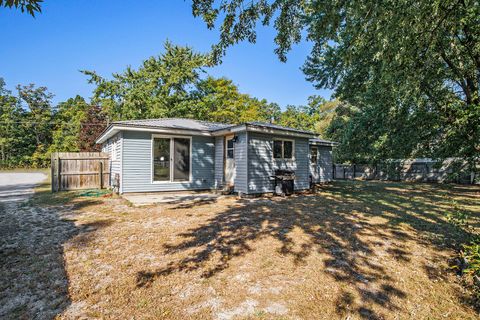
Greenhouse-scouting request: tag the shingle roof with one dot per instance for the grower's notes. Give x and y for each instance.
(175, 123)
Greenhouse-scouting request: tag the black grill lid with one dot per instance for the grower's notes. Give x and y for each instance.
(284, 172)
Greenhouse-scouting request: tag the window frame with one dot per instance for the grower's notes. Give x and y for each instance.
(283, 149)
(172, 180)
(230, 138)
(316, 155)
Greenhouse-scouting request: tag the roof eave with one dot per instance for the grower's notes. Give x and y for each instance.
(278, 131)
(115, 128)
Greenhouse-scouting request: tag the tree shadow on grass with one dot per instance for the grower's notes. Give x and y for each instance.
(34, 282)
(333, 230)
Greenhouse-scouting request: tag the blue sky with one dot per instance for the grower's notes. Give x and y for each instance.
(107, 35)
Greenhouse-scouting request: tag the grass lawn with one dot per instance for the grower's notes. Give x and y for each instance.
(353, 250)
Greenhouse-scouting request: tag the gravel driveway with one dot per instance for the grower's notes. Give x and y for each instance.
(33, 283)
(18, 186)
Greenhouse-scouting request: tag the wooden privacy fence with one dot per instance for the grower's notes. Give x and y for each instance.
(80, 170)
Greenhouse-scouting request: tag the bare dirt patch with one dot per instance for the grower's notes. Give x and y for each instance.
(353, 250)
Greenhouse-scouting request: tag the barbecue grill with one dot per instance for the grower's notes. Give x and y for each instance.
(283, 181)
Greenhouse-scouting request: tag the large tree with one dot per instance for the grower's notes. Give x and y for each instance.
(220, 100)
(407, 60)
(176, 84)
(38, 102)
(26, 122)
(13, 137)
(159, 88)
(67, 125)
(91, 126)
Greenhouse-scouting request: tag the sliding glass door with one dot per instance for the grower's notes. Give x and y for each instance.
(171, 159)
(181, 159)
(161, 159)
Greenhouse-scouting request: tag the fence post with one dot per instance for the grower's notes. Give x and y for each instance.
(59, 177)
(354, 171)
(52, 172)
(100, 172)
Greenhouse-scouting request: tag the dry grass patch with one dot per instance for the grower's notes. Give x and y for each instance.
(354, 250)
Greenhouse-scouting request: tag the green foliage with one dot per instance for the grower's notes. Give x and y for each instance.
(91, 125)
(10, 131)
(171, 85)
(159, 88)
(67, 125)
(316, 116)
(220, 100)
(471, 252)
(458, 217)
(410, 67)
(26, 126)
(30, 6)
(31, 127)
(174, 84)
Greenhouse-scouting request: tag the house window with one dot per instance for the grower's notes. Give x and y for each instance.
(314, 155)
(230, 148)
(283, 149)
(171, 159)
(161, 159)
(181, 159)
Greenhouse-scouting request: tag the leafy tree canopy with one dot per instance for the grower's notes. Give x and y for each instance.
(412, 65)
(159, 88)
(29, 6)
(67, 125)
(176, 84)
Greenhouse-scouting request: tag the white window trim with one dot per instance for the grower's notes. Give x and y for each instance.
(310, 155)
(283, 158)
(227, 138)
(190, 178)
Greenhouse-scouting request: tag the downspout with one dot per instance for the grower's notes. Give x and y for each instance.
(120, 189)
(248, 150)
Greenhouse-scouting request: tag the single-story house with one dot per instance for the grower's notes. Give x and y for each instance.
(174, 154)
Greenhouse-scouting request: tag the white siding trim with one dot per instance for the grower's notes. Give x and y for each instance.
(114, 129)
(246, 159)
(121, 163)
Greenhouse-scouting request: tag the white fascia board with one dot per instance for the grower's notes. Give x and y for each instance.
(114, 129)
(229, 130)
(324, 144)
(272, 131)
(107, 134)
(240, 128)
(279, 132)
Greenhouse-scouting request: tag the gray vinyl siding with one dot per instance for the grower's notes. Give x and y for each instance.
(325, 164)
(240, 156)
(114, 145)
(219, 154)
(322, 170)
(137, 164)
(261, 164)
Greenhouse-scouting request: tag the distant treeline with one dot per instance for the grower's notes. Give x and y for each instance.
(174, 84)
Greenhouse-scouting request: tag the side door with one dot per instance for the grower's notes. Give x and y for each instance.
(314, 170)
(229, 160)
